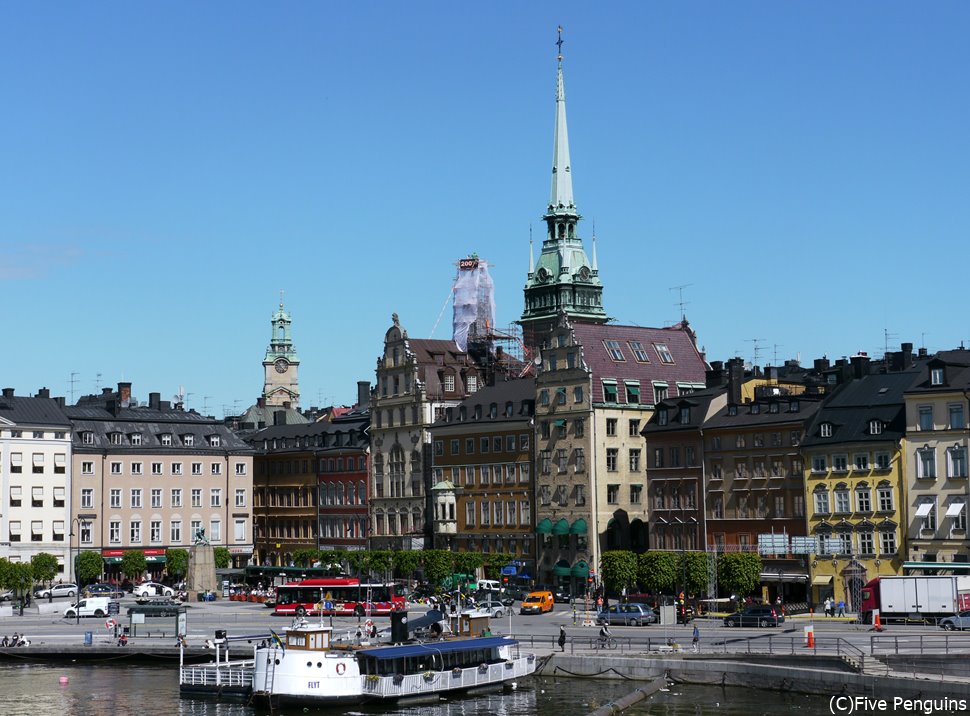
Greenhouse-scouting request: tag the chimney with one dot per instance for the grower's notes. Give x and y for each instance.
(8, 392)
(821, 364)
(43, 393)
(922, 353)
(363, 394)
(111, 406)
(261, 402)
(60, 400)
(860, 365)
(286, 405)
(154, 401)
(715, 376)
(124, 394)
(907, 354)
(105, 392)
(735, 369)
(279, 417)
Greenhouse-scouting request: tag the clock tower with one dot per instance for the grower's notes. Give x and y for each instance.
(280, 366)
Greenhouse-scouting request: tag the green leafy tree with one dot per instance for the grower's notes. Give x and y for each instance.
(176, 562)
(44, 565)
(133, 564)
(6, 574)
(656, 570)
(221, 557)
(438, 564)
(493, 563)
(405, 562)
(739, 572)
(330, 560)
(468, 562)
(305, 557)
(21, 577)
(692, 572)
(380, 562)
(618, 568)
(359, 562)
(90, 566)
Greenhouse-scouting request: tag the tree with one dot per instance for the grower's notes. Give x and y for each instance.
(133, 563)
(468, 562)
(6, 574)
(330, 561)
(618, 568)
(438, 564)
(44, 565)
(21, 577)
(221, 557)
(739, 572)
(176, 562)
(493, 563)
(90, 566)
(305, 557)
(380, 562)
(359, 562)
(692, 572)
(656, 570)
(405, 562)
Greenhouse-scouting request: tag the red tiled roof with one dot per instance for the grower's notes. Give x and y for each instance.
(689, 365)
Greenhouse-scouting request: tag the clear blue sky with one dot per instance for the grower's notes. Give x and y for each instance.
(167, 168)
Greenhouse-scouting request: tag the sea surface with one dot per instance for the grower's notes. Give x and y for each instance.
(29, 689)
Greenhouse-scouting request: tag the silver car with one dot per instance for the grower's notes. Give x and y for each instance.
(57, 590)
(628, 614)
(959, 621)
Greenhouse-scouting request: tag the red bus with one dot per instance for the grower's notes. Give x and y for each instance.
(344, 595)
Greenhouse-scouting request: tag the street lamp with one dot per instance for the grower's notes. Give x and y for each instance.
(75, 531)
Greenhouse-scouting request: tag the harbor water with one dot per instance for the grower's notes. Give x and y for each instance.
(29, 689)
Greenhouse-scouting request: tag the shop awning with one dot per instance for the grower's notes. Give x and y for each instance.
(950, 566)
(561, 527)
(924, 509)
(580, 569)
(562, 569)
(784, 576)
(820, 580)
(559, 423)
(579, 527)
(954, 509)
(544, 527)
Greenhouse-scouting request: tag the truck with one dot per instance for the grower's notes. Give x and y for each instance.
(920, 598)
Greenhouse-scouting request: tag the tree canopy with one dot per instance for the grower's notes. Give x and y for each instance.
(44, 565)
(176, 562)
(739, 572)
(618, 569)
(221, 557)
(133, 563)
(90, 566)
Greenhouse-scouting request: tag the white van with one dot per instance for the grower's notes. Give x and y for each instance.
(489, 585)
(90, 607)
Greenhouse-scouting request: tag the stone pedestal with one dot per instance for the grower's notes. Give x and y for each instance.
(202, 571)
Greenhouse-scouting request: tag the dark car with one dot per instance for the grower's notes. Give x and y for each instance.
(159, 607)
(561, 596)
(628, 614)
(762, 615)
(102, 590)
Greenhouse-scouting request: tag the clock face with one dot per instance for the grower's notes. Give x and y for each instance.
(542, 274)
(281, 365)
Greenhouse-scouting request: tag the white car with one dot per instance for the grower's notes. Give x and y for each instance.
(492, 607)
(153, 589)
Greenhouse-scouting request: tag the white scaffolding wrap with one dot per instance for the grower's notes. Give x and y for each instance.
(474, 303)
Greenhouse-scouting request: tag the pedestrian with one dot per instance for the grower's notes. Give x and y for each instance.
(827, 606)
(841, 607)
(696, 641)
(562, 638)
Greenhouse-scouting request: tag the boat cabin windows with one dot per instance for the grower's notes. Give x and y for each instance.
(308, 640)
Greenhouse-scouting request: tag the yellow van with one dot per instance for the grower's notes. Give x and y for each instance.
(537, 603)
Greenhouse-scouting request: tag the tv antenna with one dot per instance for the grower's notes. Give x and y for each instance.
(757, 350)
(205, 404)
(681, 303)
(179, 398)
(74, 376)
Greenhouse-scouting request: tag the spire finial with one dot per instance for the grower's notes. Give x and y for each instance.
(281, 298)
(559, 43)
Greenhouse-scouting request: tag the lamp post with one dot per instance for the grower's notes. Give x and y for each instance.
(75, 531)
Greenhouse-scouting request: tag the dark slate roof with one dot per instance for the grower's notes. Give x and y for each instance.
(698, 402)
(33, 412)
(849, 410)
(304, 437)
(425, 352)
(747, 417)
(689, 365)
(520, 392)
(956, 365)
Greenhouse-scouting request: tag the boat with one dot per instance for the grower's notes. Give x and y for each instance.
(307, 666)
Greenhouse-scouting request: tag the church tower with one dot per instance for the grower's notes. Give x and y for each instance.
(563, 281)
(280, 366)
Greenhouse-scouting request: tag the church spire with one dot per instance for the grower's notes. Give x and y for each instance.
(561, 196)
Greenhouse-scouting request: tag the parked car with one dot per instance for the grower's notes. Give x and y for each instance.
(153, 589)
(56, 590)
(762, 615)
(959, 622)
(90, 607)
(494, 607)
(537, 603)
(561, 596)
(626, 614)
(6, 595)
(102, 590)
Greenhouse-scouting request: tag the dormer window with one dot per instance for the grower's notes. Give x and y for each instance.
(462, 412)
(875, 427)
(609, 391)
(685, 415)
(478, 412)
(755, 409)
(662, 416)
(665, 355)
(115, 438)
(825, 430)
(87, 437)
(214, 441)
(166, 439)
(613, 348)
(508, 409)
(794, 406)
(936, 376)
(188, 440)
(732, 410)
(773, 408)
(135, 438)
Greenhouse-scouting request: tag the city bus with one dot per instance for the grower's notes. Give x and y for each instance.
(339, 596)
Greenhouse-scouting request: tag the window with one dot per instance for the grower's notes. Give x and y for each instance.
(560, 396)
(579, 427)
(136, 498)
(485, 443)
(196, 468)
(662, 417)
(239, 531)
(166, 439)
(472, 383)
(739, 441)
(544, 432)
(611, 454)
(469, 514)
(825, 430)
(196, 497)
(861, 461)
(177, 497)
(613, 348)
(580, 460)
(887, 543)
(840, 463)
(216, 468)
(675, 457)
(87, 438)
(958, 511)
(240, 497)
(883, 461)
(659, 392)
(664, 353)
(115, 468)
(156, 468)
(215, 530)
(638, 352)
(798, 505)
(779, 506)
(545, 459)
(956, 417)
(885, 495)
(612, 494)
(561, 460)
(578, 394)
(611, 427)
(658, 457)
(450, 383)
(685, 415)
(636, 493)
(156, 498)
(867, 544)
(194, 526)
(114, 532)
(155, 531)
(634, 459)
(176, 468)
(633, 393)
(188, 440)
(956, 461)
(87, 498)
(842, 505)
(114, 499)
(215, 497)
(469, 446)
(821, 501)
(509, 443)
(87, 467)
(926, 463)
(85, 533)
(863, 499)
(135, 531)
(543, 397)
(454, 446)
(240, 468)
(136, 468)
(690, 456)
(135, 438)
(925, 419)
(928, 511)
(609, 392)
(936, 376)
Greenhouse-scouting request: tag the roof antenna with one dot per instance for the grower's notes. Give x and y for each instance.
(681, 303)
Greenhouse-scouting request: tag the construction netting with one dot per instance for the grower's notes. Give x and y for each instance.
(474, 295)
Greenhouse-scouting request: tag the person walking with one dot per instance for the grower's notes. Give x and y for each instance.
(841, 607)
(828, 606)
(562, 638)
(696, 641)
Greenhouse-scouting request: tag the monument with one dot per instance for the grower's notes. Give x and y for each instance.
(202, 566)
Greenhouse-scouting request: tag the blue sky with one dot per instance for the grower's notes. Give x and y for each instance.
(167, 168)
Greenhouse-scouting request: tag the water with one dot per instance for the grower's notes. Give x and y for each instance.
(104, 690)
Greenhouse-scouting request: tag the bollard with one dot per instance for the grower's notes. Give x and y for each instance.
(810, 637)
(88, 638)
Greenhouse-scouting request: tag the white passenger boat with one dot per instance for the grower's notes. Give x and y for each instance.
(305, 666)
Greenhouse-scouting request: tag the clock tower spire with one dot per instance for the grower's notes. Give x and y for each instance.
(281, 364)
(563, 281)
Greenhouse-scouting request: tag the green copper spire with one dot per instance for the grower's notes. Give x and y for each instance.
(562, 281)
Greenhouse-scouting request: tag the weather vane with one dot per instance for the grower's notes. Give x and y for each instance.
(559, 42)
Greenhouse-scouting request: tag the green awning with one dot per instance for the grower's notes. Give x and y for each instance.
(633, 390)
(561, 527)
(579, 527)
(559, 423)
(580, 569)
(949, 566)
(155, 558)
(544, 527)
(112, 560)
(562, 569)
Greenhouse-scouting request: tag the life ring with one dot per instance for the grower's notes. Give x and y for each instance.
(369, 624)
(110, 624)
(341, 668)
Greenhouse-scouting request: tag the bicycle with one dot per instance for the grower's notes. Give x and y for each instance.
(605, 643)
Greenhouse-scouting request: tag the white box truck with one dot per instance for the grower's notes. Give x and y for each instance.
(915, 597)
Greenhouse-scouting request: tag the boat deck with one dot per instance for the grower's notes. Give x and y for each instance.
(230, 680)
